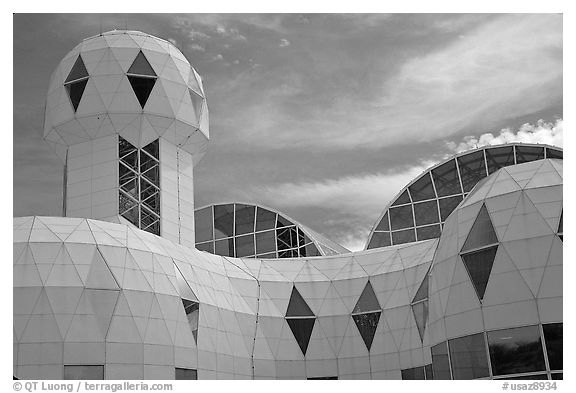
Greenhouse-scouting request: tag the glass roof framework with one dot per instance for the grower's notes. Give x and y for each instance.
(419, 210)
(252, 231)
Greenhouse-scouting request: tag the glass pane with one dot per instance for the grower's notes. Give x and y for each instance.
(288, 254)
(245, 246)
(440, 361)
(561, 224)
(142, 88)
(265, 219)
(447, 206)
(78, 70)
(311, 250)
(422, 292)
(224, 247)
(402, 199)
(416, 373)
(479, 265)
(302, 330)
(553, 336)
(380, 239)
(402, 237)
(383, 225)
(499, 157)
(203, 224)
(426, 213)
(153, 202)
(557, 376)
(83, 372)
(367, 325)
(420, 311)
(265, 242)
(401, 217)
(517, 350)
(537, 377)
(223, 221)
(429, 232)
(271, 255)
(472, 169)
(554, 153)
(468, 357)
(321, 378)
(367, 301)
(208, 246)
(529, 153)
(244, 219)
(153, 148)
(422, 189)
(286, 238)
(75, 91)
(282, 222)
(428, 371)
(446, 179)
(141, 66)
(482, 232)
(185, 374)
(297, 306)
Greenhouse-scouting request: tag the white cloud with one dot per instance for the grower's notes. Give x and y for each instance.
(507, 67)
(197, 47)
(361, 196)
(541, 132)
(284, 43)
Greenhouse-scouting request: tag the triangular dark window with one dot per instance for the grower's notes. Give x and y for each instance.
(141, 66)
(479, 265)
(142, 88)
(368, 301)
(192, 313)
(560, 224)
(302, 330)
(367, 325)
(297, 306)
(420, 311)
(196, 102)
(422, 292)
(482, 232)
(78, 71)
(75, 91)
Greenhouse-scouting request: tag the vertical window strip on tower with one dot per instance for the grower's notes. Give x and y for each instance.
(139, 184)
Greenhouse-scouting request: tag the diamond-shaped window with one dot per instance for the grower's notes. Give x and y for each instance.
(76, 82)
(420, 306)
(366, 314)
(301, 319)
(142, 78)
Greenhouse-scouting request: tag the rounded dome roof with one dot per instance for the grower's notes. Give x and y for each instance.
(419, 210)
(130, 83)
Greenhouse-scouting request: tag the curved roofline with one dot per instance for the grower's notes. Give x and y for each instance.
(312, 234)
(125, 31)
(430, 169)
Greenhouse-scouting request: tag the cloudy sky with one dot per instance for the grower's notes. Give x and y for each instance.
(323, 117)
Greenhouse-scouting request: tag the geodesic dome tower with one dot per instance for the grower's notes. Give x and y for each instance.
(128, 114)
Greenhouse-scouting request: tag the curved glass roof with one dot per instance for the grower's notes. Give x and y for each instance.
(418, 212)
(253, 231)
